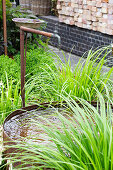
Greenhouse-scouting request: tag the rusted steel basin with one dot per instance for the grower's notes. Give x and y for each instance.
(16, 126)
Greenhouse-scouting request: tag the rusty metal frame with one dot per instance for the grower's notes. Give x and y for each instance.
(4, 25)
(23, 57)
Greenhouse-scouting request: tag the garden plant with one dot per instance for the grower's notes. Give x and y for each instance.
(87, 142)
(10, 97)
(83, 137)
(81, 81)
(46, 78)
(84, 141)
(13, 32)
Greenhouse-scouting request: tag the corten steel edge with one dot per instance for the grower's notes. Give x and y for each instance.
(8, 141)
(23, 57)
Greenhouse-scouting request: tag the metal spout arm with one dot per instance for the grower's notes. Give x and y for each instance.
(23, 59)
(59, 39)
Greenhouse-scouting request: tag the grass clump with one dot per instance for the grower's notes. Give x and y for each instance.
(11, 67)
(36, 60)
(10, 98)
(84, 141)
(81, 82)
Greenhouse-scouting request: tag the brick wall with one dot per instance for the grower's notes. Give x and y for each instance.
(76, 40)
(94, 15)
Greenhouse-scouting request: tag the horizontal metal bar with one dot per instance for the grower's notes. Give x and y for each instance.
(36, 31)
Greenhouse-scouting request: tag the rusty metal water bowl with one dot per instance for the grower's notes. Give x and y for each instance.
(29, 23)
(17, 126)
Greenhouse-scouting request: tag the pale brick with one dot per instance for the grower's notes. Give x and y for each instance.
(84, 1)
(104, 10)
(98, 4)
(79, 19)
(94, 24)
(94, 18)
(89, 17)
(94, 28)
(90, 14)
(111, 1)
(80, 11)
(79, 24)
(98, 14)
(94, 9)
(105, 16)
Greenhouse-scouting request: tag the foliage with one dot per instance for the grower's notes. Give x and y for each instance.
(10, 98)
(36, 59)
(46, 78)
(11, 67)
(1, 48)
(10, 84)
(19, 13)
(82, 82)
(13, 31)
(83, 141)
(8, 5)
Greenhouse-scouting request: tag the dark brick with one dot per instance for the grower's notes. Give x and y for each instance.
(81, 40)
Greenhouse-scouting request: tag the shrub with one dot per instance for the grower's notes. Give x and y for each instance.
(36, 60)
(8, 5)
(11, 67)
(13, 35)
(10, 98)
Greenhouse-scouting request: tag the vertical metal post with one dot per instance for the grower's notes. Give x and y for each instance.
(4, 25)
(23, 60)
(22, 67)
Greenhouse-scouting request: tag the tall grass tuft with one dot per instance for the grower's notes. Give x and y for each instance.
(10, 98)
(82, 81)
(84, 141)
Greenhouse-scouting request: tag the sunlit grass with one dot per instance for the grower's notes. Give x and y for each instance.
(84, 141)
(10, 98)
(82, 81)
